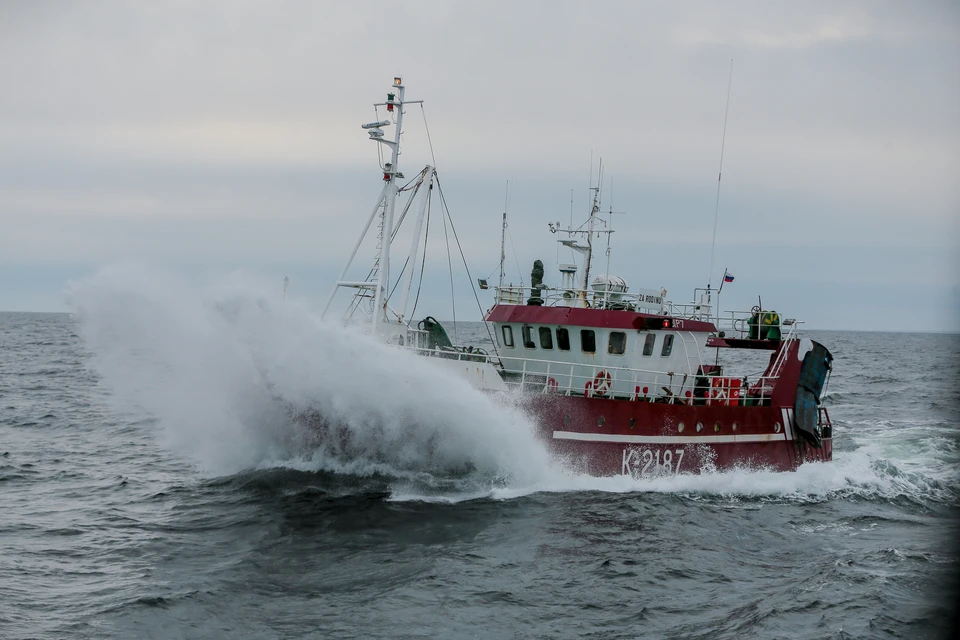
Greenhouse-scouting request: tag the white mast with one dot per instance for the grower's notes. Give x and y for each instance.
(390, 177)
(385, 206)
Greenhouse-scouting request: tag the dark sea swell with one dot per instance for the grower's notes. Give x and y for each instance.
(153, 484)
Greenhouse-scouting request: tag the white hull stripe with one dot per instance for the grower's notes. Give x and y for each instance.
(613, 437)
(787, 421)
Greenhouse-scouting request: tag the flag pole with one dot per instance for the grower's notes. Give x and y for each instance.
(722, 280)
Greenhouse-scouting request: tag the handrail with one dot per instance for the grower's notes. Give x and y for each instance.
(738, 322)
(590, 298)
(603, 381)
(642, 302)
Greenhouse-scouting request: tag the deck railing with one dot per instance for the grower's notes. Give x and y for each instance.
(643, 302)
(531, 375)
(737, 323)
(824, 422)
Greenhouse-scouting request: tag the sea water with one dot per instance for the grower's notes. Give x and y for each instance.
(158, 479)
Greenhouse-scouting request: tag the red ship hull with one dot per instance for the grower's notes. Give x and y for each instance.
(607, 437)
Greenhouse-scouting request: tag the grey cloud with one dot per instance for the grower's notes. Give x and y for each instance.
(225, 130)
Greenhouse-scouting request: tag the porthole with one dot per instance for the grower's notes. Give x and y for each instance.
(633, 422)
(600, 421)
(734, 426)
(699, 427)
(566, 420)
(680, 428)
(716, 426)
(776, 427)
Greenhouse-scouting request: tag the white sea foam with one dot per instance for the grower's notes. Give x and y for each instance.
(856, 472)
(226, 365)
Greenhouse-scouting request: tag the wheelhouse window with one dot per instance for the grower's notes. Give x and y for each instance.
(507, 332)
(527, 334)
(617, 343)
(588, 341)
(649, 342)
(563, 339)
(546, 338)
(667, 346)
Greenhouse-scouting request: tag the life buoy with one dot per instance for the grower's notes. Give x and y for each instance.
(552, 385)
(601, 382)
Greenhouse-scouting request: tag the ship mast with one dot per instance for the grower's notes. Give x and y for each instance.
(390, 171)
(378, 282)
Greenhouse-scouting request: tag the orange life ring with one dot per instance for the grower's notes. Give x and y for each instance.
(601, 382)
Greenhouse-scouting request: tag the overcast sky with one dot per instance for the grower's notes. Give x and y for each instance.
(207, 137)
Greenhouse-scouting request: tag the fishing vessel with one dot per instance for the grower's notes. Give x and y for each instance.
(619, 380)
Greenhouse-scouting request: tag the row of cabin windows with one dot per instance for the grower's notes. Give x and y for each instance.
(617, 344)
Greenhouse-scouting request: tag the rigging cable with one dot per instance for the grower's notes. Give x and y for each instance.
(476, 296)
(423, 262)
(360, 295)
(453, 299)
(716, 206)
(429, 139)
(443, 201)
(406, 208)
(399, 278)
(515, 258)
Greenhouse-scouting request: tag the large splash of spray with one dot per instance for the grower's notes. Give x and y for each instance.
(239, 378)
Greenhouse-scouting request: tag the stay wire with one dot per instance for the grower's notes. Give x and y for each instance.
(515, 258)
(406, 208)
(396, 229)
(453, 298)
(429, 139)
(358, 298)
(476, 296)
(716, 206)
(423, 261)
(399, 278)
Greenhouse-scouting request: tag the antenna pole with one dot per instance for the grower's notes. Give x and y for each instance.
(716, 206)
(606, 295)
(594, 209)
(503, 232)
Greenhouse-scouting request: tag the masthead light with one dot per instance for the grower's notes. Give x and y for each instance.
(397, 81)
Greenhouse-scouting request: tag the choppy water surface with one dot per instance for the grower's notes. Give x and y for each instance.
(153, 484)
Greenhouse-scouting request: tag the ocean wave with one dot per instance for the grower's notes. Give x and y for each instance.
(239, 379)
